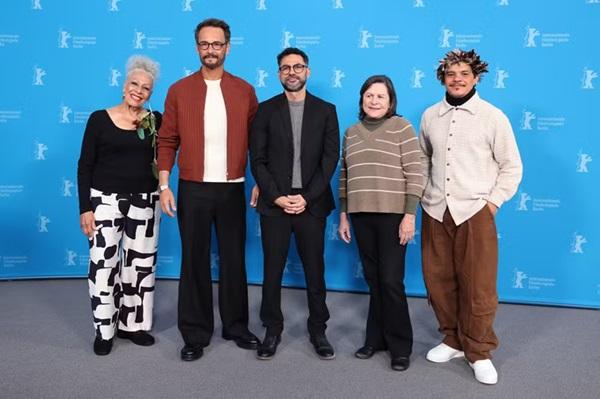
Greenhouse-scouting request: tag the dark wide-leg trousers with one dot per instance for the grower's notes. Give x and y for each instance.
(199, 206)
(460, 266)
(276, 232)
(382, 257)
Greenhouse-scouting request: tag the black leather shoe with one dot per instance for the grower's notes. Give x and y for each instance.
(266, 350)
(322, 346)
(246, 340)
(366, 352)
(400, 363)
(191, 352)
(102, 347)
(141, 338)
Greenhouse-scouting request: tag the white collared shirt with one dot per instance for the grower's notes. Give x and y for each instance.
(471, 157)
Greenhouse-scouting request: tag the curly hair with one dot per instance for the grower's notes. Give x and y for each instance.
(456, 56)
(146, 64)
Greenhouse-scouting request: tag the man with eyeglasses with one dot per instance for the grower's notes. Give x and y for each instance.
(294, 150)
(207, 118)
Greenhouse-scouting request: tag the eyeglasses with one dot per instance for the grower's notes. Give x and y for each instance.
(215, 45)
(298, 68)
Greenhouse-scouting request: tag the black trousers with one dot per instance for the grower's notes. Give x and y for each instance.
(276, 232)
(199, 206)
(382, 256)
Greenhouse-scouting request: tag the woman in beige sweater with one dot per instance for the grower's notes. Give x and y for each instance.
(381, 182)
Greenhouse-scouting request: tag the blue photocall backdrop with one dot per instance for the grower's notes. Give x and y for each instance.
(62, 60)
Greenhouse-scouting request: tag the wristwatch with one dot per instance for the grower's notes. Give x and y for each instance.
(162, 187)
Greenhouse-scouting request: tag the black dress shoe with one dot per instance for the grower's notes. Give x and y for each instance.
(246, 340)
(191, 352)
(102, 347)
(322, 346)
(366, 352)
(141, 338)
(400, 363)
(266, 350)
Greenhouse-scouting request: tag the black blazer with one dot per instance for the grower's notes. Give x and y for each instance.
(272, 153)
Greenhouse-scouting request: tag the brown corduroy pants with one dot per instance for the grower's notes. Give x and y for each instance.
(460, 267)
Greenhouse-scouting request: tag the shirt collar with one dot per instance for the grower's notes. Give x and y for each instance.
(471, 106)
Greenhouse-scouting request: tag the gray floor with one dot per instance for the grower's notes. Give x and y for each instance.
(46, 352)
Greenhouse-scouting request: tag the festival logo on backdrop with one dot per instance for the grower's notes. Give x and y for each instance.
(39, 153)
(38, 76)
(577, 243)
(535, 38)
(583, 160)
(42, 223)
(290, 39)
(113, 77)
(261, 5)
(337, 4)
(367, 39)
(416, 81)
(587, 79)
(532, 122)
(66, 40)
(113, 5)
(261, 76)
(501, 76)
(525, 202)
(336, 78)
(66, 187)
(450, 39)
(186, 5)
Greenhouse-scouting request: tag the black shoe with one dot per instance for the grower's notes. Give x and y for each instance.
(266, 350)
(191, 352)
(102, 347)
(400, 363)
(141, 338)
(322, 346)
(366, 352)
(246, 340)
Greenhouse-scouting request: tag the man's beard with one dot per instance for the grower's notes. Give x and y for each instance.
(220, 61)
(299, 86)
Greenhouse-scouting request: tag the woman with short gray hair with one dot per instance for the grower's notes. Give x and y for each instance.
(119, 212)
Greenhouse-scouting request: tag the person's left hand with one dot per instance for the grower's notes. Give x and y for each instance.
(493, 208)
(406, 231)
(298, 204)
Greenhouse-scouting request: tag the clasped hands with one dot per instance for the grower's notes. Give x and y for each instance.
(292, 204)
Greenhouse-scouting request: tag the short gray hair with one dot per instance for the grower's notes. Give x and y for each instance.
(146, 64)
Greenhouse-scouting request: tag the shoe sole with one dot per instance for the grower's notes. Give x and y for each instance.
(241, 344)
(265, 357)
(455, 356)
(479, 381)
(327, 357)
(121, 335)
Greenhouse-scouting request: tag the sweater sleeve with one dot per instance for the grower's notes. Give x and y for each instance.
(168, 136)
(87, 162)
(510, 167)
(343, 195)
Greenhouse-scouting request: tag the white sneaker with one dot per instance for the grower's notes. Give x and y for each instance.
(485, 372)
(443, 353)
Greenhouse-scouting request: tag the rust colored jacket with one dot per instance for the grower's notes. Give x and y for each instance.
(183, 125)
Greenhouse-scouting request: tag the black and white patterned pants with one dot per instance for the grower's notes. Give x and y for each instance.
(123, 261)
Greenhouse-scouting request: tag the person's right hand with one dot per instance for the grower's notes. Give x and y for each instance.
(344, 229)
(285, 203)
(167, 202)
(87, 221)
